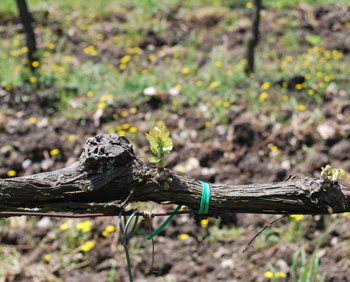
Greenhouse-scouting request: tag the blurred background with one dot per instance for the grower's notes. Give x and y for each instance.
(251, 91)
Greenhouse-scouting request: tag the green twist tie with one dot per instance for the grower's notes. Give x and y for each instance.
(160, 228)
(204, 207)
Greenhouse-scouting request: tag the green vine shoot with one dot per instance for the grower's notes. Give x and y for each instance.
(161, 144)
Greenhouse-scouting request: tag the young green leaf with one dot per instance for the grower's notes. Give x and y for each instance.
(161, 143)
(153, 160)
(160, 140)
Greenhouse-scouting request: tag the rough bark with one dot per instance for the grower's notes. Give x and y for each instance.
(27, 22)
(108, 176)
(253, 38)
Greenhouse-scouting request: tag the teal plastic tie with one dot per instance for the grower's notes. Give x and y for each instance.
(204, 207)
(160, 228)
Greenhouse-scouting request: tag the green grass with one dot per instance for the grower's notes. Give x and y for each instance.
(218, 83)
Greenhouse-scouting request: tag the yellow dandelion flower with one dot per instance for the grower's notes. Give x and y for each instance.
(217, 104)
(133, 129)
(50, 45)
(176, 54)
(125, 59)
(35, 64)
(345, 213)
(274, 148)
(65, 225)
(218, 64)
(125, 126)
(281, 274)
(122, 66)
(87, 246)
(101, 106)
(178, 86)
(297, 217)
(110, 228)
(174, 102)
(133, 110)
(70, 138)
(145, 72)
(301, 107)
(285, 98)
(67, 58)
(266, 85)
(8, 87)
(84, 226)
(103, 98)
(310, 91)
(16, 42)
(121, 132)
(263, 96)
(215, 84)
(24, 49)
(124, 114)
(229, 72)
(268, 274)
(265, 55)
(32, 120)
(185, 70)
(327, 78)
(151, 57)
(93, 53)
(32, 79)
(183, 236)
(90, 94)
(4, 56)
(204, 222)
(249, 5)
(319, 74)
(226, 104)
(321, 85)
(11, 173)
(54, 152)
(47, 258)
(199, 83)
(299, 86)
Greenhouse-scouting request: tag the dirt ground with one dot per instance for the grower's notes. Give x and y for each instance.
(238, 152)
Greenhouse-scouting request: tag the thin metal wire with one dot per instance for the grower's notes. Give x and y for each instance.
(149, 215)
(126, 236)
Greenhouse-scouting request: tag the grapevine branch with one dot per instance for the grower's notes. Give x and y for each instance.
(108, 176)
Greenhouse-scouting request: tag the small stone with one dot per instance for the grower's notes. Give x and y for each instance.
(44, 223)
(26, 163)
(326, 131)
(227, 263)
(174, 91)
(150, 91)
